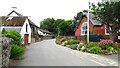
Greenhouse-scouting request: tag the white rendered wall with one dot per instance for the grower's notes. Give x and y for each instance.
(23, 31)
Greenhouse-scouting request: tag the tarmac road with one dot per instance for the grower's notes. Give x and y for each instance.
(47, 53)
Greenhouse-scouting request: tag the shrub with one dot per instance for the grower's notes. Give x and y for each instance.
(95, 50)
(112, 50)
(62, 39)
(4, 31)
(102, 41)
(70, 42)
(105, 44)
(81, 47)
(16, 52)
(58, 41)
(65, 43)
(14, 35)
(92, 44)
(59, 37)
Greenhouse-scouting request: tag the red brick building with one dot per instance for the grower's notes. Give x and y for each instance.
(95, 27)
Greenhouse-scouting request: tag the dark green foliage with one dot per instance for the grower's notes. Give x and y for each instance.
(57, 27)
(80, 46)
(14, 35)
(4, 31)
(96, 38)
(16, 52)
(109, 14)
(77, 17)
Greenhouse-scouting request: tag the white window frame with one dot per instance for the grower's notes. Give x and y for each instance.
(84, 23)
(106, 31)
(119, 37)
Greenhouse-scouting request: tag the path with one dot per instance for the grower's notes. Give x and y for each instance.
(47, 53)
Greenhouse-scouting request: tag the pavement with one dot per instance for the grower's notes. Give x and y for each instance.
(47, 53)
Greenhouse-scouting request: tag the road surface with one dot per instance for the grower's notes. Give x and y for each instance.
(47, 53)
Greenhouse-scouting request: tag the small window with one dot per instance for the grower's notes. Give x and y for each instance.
(26, 27)
(106, 31)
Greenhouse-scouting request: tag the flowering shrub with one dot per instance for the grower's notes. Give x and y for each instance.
(24, 47)
(105, 46)
(21, 44)
(62, 39)
(105, 41)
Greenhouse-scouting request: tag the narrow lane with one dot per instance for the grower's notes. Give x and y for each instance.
(47, 53)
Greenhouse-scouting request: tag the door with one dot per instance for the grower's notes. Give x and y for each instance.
(26, 38)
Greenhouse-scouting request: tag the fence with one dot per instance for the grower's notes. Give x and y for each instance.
(5, 48)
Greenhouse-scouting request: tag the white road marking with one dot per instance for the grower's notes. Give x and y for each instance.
(97, 62)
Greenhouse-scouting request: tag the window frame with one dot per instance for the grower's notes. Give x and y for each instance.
(84, 24)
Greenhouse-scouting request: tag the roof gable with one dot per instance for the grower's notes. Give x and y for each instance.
(91, 16)
(14, 13)
(14, 19)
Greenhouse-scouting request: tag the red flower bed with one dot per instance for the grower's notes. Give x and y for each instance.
(24, 47)
(119, 45)
(21, 44)
(68, 39)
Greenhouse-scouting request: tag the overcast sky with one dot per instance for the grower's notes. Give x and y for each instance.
(41, 9)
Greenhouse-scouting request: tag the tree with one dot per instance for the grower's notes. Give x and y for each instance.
(108, 14)
(77, 18)
(58, 27)
(48, 24)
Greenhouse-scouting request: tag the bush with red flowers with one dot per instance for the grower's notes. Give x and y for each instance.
(105, 46)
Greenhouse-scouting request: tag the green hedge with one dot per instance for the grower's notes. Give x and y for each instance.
(17, 52)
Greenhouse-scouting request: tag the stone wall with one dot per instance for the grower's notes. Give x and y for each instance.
(5, 48)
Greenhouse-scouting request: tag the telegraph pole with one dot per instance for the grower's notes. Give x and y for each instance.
(88, 24)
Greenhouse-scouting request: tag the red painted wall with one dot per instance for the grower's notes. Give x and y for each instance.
(78, 30)
(99, 30)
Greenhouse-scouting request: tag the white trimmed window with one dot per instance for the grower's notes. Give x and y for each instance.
(106, 31)
(84, 28)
